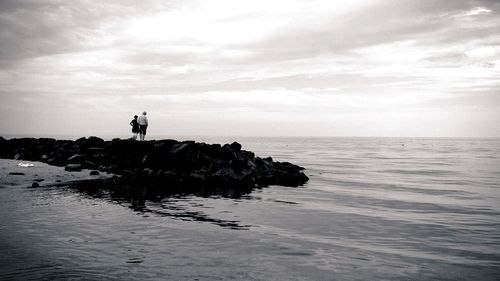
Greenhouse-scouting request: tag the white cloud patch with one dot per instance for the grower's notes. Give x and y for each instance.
(477, 11)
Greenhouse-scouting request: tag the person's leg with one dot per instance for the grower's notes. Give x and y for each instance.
(141, 132)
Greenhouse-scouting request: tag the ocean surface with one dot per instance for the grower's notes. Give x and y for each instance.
(374, 209)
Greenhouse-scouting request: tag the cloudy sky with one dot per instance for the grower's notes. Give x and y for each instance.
(265, 68)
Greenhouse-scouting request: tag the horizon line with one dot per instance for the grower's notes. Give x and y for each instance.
(165, 136)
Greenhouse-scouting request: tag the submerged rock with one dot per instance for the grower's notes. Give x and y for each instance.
(169, 163)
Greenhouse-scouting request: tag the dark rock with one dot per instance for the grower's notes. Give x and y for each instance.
(180, 147)
(16, 173)
(6, 149)
(94, 173)
(147, 172)
(35, 184)
(73, 167)
(229, 176)
(89, 164)
(168, 177)
(169, 164)
(235, 146)
(46, 141)
(95, 149)
(194, 179)
(289, 179)
(90, 142)
(145, 159)
(38, 180)
(76, 158)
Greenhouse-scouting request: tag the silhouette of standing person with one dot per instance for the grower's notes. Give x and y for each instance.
(135, 127)
(143, 125)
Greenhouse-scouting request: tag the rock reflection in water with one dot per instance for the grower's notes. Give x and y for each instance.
(157, 200)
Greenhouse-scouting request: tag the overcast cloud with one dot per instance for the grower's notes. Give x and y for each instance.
(360, 68)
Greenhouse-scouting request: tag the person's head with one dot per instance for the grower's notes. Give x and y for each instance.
(144, 113)
(135, 116)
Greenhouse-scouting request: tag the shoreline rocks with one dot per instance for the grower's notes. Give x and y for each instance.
(168, 163)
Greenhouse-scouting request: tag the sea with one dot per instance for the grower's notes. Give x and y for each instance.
(373, 209)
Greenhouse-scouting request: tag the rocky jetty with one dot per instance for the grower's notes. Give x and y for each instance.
(168, 163)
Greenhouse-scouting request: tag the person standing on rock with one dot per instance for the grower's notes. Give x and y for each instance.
(135, 127)
(143, 125)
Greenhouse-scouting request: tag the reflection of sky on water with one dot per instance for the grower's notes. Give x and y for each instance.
(374, 209)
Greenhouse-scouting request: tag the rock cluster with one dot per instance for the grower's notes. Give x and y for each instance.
(185, 164)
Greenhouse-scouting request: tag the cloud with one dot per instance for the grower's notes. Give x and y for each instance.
(30, 29)
(279, 60)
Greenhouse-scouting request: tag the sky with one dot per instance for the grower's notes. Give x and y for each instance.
(395, 68)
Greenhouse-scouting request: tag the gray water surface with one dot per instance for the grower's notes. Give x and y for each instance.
(374, 209)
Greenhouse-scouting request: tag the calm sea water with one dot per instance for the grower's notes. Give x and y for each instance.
(374, 209)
